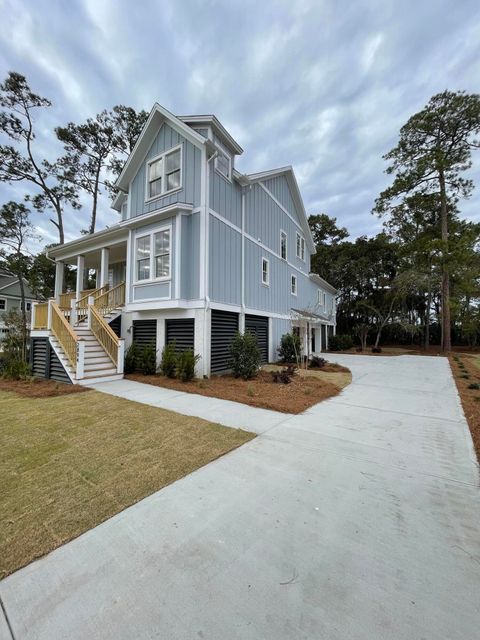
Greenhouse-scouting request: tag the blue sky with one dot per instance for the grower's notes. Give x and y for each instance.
(323, 86)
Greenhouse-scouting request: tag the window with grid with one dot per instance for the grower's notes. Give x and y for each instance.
(164, 174)
(293, 285)
(283, 245)
(223, 163)
(162, 254)
(143, 258)
(265, 272)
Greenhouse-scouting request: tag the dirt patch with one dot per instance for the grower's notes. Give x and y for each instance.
(466, 372)
(39, 388)
(300, 394)
(69, 463)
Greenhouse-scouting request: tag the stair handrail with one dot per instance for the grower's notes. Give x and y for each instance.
(83, 301)
(108, 339)
(66, 336)
(111, 299)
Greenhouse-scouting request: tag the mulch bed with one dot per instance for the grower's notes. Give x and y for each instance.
(470, 397)
(300, 394)
(40, 388)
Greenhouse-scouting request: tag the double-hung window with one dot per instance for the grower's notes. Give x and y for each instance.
(283, 245)
(265, 272)
(164, 174)
(154, 256)
(293, 285)
(322, 297)
(300, 247)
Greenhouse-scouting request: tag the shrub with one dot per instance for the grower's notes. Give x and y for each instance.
(16, 369)
(245, 356)
(340, 343)
(317, 363)
(474, 385)
(285, 375)
(290, 347)
(147, 360)
(130, 362)
(186, 362)
(168, 363)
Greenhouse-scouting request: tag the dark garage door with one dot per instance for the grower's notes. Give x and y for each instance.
(224, 327)
(182, 331)
(145, 332)
(258, 325)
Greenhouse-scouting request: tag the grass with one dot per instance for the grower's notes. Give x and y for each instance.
(464, 369)
(305, 389)
(68, 463)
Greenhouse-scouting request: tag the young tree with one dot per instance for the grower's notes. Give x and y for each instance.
(15, 231)
(431, 157)
(96, 148)
(20, 162)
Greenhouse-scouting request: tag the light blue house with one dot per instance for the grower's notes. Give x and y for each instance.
(200, 251)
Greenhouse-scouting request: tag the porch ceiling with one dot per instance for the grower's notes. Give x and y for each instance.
(118, 253)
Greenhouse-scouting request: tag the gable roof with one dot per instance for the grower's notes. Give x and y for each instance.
(289, 174)
(217, 126)
(9, 286)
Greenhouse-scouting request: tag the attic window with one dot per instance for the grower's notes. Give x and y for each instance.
(223, 163)
(164, 173)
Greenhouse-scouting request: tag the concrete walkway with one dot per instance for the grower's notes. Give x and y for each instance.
(231, 414)
(359, 519)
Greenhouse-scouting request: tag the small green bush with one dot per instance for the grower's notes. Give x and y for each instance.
(245, 356)
(474, 385)
(290, 348)
(340, 343)
(16, 369)
(130, 362)
(147, 360)
(168, 363)
(186, 362)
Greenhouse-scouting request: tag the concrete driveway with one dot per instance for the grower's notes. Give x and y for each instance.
(359, 519)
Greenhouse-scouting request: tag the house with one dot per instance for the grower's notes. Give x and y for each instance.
(200, 251)
(11, 299)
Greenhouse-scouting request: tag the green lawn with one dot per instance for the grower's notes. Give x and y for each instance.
(69, 462)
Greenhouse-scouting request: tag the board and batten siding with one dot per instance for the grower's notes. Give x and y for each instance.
(279, 188)
(190, 257)
(166, 139)
(224, 263)
(225, 197)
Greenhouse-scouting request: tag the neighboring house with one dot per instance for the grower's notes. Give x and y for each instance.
(200, 251)
(10, 298)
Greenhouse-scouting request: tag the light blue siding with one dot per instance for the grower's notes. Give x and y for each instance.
(151, 291)
(224, 263)
(263, 221)
(166, 139)
(279, 188)
(225, 197)
(190, 257)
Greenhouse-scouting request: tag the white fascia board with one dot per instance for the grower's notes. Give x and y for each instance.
(158, 214)
(214, 122)
(90, 242)
(158, 115)
(322, 283)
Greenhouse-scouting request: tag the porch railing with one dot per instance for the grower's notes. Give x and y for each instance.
(82, 303)
(40, 316)
(64, 333)
(110, 300)
(112, 344)
(65, 300)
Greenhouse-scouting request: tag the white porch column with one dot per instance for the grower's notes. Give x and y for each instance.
(80, 275)
(104, 260)
(59, 270)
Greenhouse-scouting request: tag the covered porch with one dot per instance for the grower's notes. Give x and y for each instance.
(314, 330)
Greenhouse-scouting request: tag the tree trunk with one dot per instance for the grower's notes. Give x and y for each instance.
(93, 219)
(427, 318)
(24, 316)
(446, 329)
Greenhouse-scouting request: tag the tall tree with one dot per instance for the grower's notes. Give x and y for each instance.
(20, 161)
(432, 155)
(96, 148)
(327, 237)
(15, 231)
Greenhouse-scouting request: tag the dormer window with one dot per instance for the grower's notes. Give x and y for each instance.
(164, 173)
(223, 162)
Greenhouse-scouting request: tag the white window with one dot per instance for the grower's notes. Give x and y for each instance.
(265, 272)
(3, 304)
(300, 247)
(293, 285)
(164, 174)
(28, 306)
(283, 245)
(322, 297)
(223, 163)
(153, 255)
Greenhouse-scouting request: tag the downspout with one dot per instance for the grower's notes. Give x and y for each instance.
(242, 275)
(207, 255)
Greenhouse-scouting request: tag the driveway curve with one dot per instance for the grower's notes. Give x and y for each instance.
(359, 519)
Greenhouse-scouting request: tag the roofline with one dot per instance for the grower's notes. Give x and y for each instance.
(212, 119)
(84, 240)
(323, 283)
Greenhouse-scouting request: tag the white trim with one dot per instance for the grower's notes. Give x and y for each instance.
(279, 204)
(266, 283)
(151, 234)
(284, 233)
(149, 300)
(292, 291)
(222, 150)
(162, 156)
(302, 246)
(178, 245)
